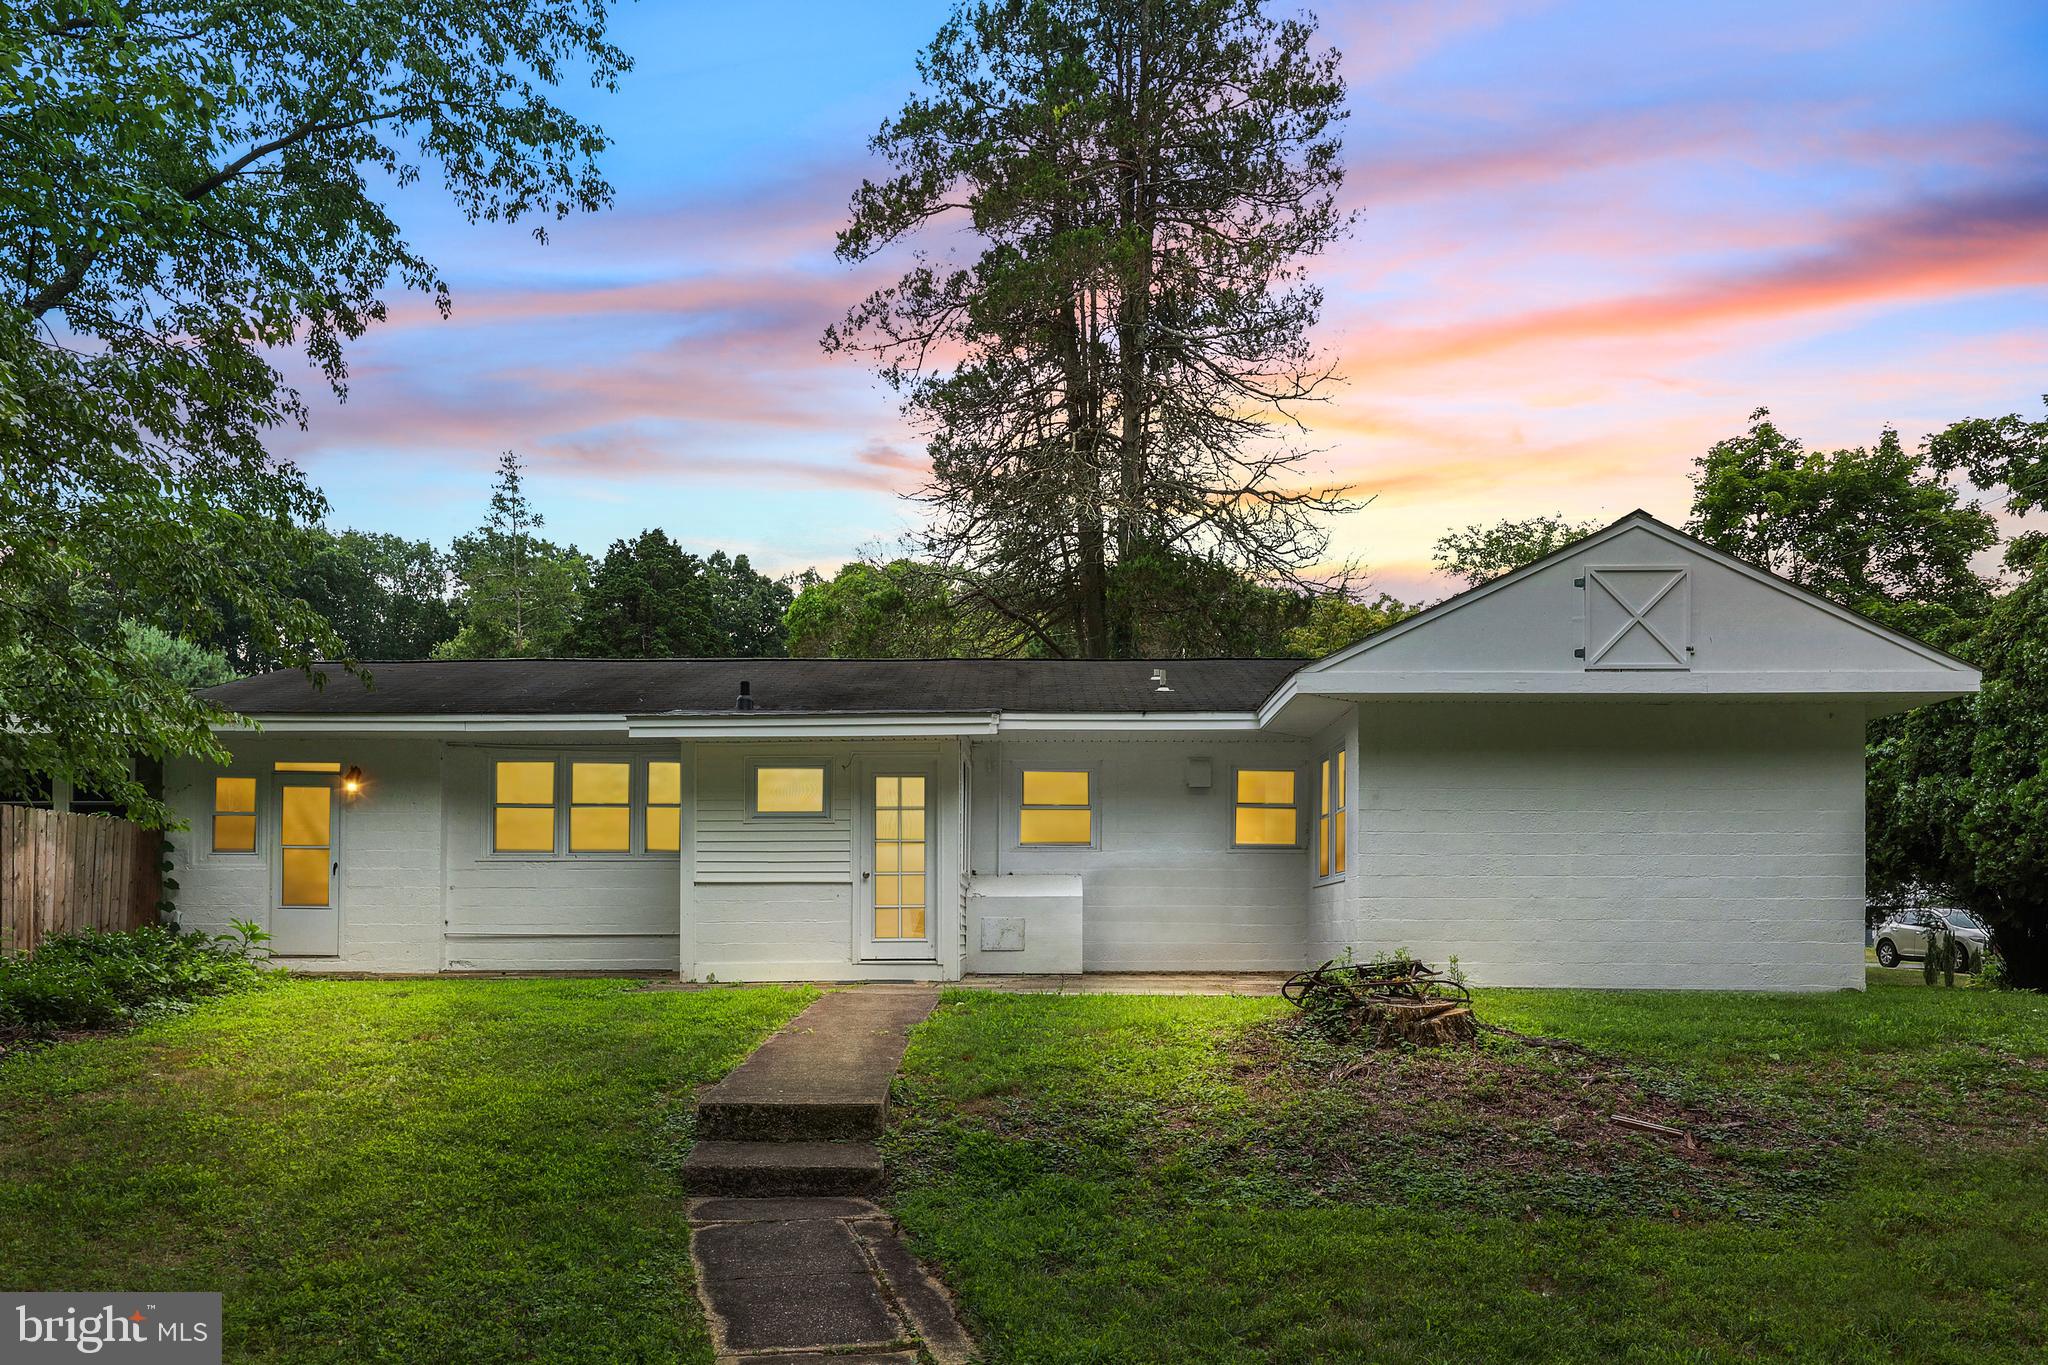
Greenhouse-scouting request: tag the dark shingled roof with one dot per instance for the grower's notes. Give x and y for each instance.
(640, 687)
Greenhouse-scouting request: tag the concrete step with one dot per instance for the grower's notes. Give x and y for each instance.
(719, 1166)
(824, 1077)
(790, 1120)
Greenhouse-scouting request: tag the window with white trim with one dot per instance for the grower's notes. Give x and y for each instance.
(664, 815)
(600, 806)
(234, 815)
(1056, 808)
(1331, 800)
(524, 817)
(584, 805)
(1267, 815)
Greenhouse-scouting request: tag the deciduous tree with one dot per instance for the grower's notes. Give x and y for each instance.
(189, 189)
(1338, 621)
(1878, 528)
(1481, 552)
(1959, 791)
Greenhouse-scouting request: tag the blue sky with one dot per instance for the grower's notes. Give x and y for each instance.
(1595, 236)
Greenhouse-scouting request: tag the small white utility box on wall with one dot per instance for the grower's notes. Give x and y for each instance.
(1028, 924)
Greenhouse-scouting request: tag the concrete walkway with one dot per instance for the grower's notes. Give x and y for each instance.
(791, 1264)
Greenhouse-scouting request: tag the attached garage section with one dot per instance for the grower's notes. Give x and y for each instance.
(1616, 843)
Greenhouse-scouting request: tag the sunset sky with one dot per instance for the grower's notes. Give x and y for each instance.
(1595, 236)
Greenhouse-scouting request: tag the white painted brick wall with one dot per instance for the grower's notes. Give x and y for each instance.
(389, 849)
(1164, 891)
(594, 913)
(1618, 844)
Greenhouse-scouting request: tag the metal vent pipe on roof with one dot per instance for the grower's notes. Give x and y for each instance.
(746, 698)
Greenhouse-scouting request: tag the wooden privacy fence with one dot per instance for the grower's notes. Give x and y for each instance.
(60, 873)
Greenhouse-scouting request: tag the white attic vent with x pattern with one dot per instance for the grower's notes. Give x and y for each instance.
(1638, 616)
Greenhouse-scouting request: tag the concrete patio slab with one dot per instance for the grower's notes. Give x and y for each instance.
(790, 1284)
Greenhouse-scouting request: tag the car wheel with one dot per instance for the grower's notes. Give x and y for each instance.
(1962, 958)
(1887, 953)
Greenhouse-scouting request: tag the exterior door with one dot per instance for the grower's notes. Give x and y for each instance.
(897, 862)
(305, 921)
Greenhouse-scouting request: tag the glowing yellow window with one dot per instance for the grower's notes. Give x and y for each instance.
(789, 791)
(664, 807)
(1330, 804)
(1266, 813)
(305, 836)
(600, 807)
(1057, 808)
(234, 815)
(304, 767)
(525, 817)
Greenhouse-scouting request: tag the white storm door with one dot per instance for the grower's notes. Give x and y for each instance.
(305, 919)
(898, 864)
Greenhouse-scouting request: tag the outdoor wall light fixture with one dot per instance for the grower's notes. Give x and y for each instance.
(352, 782)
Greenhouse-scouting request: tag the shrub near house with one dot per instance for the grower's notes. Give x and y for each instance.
(96, 980)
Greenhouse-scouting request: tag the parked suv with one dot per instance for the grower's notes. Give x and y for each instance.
(1903, 938)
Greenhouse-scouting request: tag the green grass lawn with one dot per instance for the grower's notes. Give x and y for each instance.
(384, 1170)
(1119, 1178)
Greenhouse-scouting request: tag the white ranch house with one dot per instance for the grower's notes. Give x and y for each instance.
(1638, 762)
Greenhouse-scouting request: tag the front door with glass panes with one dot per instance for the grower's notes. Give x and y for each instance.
(305, 921)
(897, 861)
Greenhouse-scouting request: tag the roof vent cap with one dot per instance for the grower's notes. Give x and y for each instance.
(1159, 681)
(746, 698)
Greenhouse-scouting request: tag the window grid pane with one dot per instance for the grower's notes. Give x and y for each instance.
(1265, 787)
(1055, 788)
(1265, 826)
(600, 784)
(789, 791)
(1055, 826)
(525, 829)
(526, 784)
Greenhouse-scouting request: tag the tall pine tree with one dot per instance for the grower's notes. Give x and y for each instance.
(1104, 386)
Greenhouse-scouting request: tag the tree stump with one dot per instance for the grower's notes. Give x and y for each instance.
(1420, 1023)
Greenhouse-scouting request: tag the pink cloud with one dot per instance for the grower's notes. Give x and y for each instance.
(1989, 242)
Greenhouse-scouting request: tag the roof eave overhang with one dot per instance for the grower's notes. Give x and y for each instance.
(421, 724)
(759, 725)
(1647, 683)
(838, 725)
